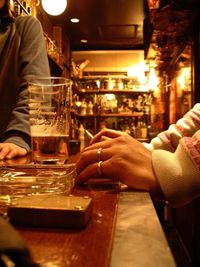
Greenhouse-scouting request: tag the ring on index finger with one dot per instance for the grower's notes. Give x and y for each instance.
(99, 153)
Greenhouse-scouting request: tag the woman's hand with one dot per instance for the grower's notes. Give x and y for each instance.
(123, 158)
(10, 150)
(106, 134)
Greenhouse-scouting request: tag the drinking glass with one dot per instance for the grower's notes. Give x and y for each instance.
(49, 114)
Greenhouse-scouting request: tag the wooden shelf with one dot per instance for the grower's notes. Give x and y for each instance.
(105, 91)
(138, 114)
(120, 113)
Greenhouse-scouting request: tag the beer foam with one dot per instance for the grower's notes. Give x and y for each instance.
(45, 130)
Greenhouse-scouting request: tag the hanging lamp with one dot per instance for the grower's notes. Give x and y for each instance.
(53, 7)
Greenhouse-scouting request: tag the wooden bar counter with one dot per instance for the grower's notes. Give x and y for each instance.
(124, 231)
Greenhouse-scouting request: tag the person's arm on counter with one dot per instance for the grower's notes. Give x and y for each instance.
(23, 54)
(186, 126)
(175, 173)
(169, 139)
(178, 173)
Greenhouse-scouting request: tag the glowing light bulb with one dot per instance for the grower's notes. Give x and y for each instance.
(53, 7)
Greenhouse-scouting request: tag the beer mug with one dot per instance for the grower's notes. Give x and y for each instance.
(49, 114)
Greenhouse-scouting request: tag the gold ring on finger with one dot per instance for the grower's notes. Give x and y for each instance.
(99, 153)
(99, 168)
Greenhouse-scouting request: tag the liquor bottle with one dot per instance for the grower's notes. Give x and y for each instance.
(90, 108)
(132, 129)
(81, 136)
(73, 129)
(143, 128)
(83, 107)
(28, 6)
(24, 4)
(16, 8)
(23, 9)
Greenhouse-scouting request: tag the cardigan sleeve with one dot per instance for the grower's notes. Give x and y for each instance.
(33, 61)
(178, 172)
(186, 126)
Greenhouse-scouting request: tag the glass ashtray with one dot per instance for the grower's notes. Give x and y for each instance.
(35, 179)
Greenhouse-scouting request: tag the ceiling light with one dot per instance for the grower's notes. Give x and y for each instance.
(53, 7)
(84, 41)
(74, 20)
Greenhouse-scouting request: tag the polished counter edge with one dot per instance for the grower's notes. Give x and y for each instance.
(139, 238)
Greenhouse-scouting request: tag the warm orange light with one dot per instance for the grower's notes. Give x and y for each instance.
(84, 41)
(153, 80)
(74, 20)
(138, 71)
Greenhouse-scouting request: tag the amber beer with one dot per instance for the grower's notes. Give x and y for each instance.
(50, 149)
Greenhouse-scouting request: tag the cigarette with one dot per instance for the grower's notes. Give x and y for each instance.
(89, 134)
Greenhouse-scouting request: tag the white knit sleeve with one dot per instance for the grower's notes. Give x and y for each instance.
(186, 126)
(178, 173)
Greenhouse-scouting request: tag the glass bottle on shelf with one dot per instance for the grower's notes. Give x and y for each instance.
(33, 5)
(143, 129)
(74, 128)
(90, 108)
(132, 128)
(28, 6)
(81, 136)
(83, 107)
(16, 8)
(23, 9)
(120, 85)
(24, 4)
